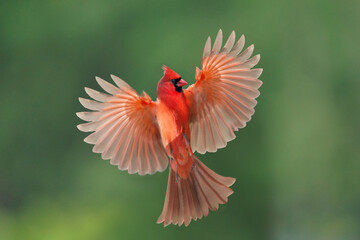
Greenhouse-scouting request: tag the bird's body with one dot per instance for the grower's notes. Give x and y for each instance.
(139, 135)
(173, 111)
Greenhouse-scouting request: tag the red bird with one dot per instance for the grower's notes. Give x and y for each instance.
(139, 135)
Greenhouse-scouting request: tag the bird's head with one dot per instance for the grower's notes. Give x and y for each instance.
(171, 81)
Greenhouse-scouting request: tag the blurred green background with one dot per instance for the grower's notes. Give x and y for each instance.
(296, 163)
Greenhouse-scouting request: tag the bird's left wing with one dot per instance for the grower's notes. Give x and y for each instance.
(223, 98)
(125, 127)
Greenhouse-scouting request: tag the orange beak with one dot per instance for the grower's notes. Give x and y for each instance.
(181, 83)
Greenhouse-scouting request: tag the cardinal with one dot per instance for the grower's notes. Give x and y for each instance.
(144, 136)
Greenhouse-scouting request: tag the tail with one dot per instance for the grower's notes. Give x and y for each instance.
(193, 197)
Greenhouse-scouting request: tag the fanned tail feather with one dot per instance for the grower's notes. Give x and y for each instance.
(193, 197)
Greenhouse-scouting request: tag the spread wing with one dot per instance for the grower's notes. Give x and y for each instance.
(124, 127)
(223, 98)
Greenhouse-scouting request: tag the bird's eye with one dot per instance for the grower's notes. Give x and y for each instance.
(176, 80)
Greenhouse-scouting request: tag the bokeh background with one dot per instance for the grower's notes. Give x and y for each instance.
(297, 163)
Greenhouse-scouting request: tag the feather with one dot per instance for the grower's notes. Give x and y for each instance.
(238, 47)
(207, 48)
(122, 123)
(191, 198)
(229, 43)
(107, 86)
(223, 98)
(119, 82)
(98, 96)
(217, 43)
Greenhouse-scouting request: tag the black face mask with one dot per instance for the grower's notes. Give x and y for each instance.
(175, 81)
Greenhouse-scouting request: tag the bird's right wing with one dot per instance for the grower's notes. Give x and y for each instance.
(223, 98)
(125, 127)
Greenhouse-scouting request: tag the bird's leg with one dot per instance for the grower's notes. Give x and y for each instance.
(176, 178)
(187, 143)
(188, 146)
(176, 174)
(176, 169)
(193, 166)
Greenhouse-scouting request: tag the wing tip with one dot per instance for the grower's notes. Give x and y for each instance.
(80, 115)
(260, 83)
(88, 90)
(217, 43)
(120, 82)
(98, 79)
(207, 48)
(242, 39)
(87, 141)
(82, 100)
(80, 127)
(114, 77)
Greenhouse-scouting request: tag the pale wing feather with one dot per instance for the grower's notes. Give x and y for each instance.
(217, 43)
(124, 127)
(229, 43)
(223, 98)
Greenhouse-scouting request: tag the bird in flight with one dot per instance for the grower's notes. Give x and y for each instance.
(142, 136)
